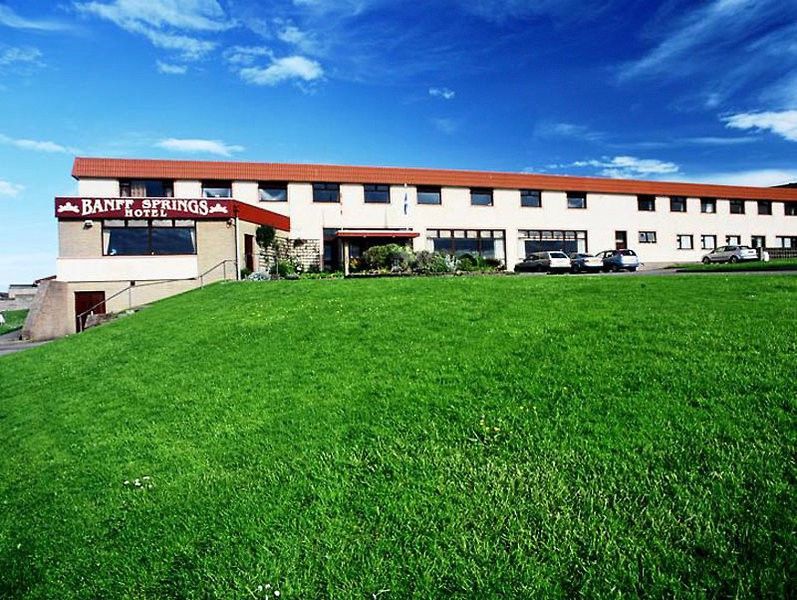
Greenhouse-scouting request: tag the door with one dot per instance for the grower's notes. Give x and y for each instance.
(249, 252)
(620, 240)
(89, 303)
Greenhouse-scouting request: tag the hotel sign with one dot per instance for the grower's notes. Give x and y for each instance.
(142, 208)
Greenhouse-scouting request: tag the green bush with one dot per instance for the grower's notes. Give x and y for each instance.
(390, 257)
(430, 262)
(285, 268)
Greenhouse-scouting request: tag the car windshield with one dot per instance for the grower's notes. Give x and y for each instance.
(558, 255)
(627, 253)
(745, 248)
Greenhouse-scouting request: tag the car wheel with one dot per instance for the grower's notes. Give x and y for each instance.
(706, 260)
(632, 269)
(734, 259)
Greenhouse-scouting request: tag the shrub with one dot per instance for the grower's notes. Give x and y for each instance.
(430, 262)
(245, 273)
(389, 257)
(285, 268)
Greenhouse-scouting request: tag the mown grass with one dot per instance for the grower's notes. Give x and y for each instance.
(15, 319)
(782, 264)
(434, 437)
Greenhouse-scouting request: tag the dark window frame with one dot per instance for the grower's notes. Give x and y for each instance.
(646, 203)
(647, 237)
(217, 184)
(375, 189)
(429, 189)
(678, 204)
(126, 188)
(525, 195)
(272, 185)
(766, 205)
(790, 209)
(326, 192)
(736, 207)
(577, 196)
(704, 237)
(754, 238)
(486, 192)
(704, 202)
(688, 236)
(149, 228)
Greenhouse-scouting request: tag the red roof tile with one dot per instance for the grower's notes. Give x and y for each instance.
(249, 171)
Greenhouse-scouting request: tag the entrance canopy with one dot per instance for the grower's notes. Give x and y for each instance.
(377, 233)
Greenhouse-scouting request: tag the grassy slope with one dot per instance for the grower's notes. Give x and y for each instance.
(486, 436)
(783, 264)
(15, 319)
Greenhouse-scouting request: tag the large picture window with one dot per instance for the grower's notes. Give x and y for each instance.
(148, 238)
(539, 240)
(146, 188)
(487, 243)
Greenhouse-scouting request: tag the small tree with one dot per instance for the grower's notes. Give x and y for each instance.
(265, 236)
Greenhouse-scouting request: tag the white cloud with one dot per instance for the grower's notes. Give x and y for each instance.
(568, 130)
(37, 145)
(164, 22)
(11, 19)
(170, 69)
(623, 167)
(20, 55)
(442, 92)
(194, 146)
(283, 69)
(10, 189)
(290, 34)
(243, 56)
(782, 123)
(754, 177)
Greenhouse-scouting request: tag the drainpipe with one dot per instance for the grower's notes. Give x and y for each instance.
(237, 249)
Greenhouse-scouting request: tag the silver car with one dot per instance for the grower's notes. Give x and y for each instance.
(581, 262)
(551, 262)
(731, 254)
(619, 260)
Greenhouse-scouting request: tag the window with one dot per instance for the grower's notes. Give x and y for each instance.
(272, 191)
(576, 200)
(483, 242)
(647, 237)
(677, 204)
(646, 203)
(429, 195)
(708, 242)
(685, 242)
(146, 238)
(708, 205)
(377, 193)
(531, 198)
(787, 241)
(146, 188)
(326, 192)
(481, 197)
(736, 240)
(737, 207)
(790, 209)
(758, 241)
(216, 189)
(542, 240)
(764, 207)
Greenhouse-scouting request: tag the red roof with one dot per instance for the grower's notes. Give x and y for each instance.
(250, 171)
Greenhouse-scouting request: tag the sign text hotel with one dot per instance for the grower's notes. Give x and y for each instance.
(141, 208)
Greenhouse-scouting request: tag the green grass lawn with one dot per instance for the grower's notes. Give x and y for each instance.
(15, 319)
(490, 437)
(783, 264)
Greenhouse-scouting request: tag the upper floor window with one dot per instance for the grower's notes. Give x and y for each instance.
(733, 240)
(481, 197)
(646, 203)
(377, 193)
(217, 189)
(531, 198)
(429, 195)
(737, 207)
(677, 204)
(146, 188)
(708, 205)
(576, 200)
(790, 209)
(764, 207)
(271, 191)
(326, 192)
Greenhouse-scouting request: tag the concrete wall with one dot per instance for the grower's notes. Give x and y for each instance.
(45, 320)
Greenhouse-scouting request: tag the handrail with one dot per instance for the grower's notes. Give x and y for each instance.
(200, 277)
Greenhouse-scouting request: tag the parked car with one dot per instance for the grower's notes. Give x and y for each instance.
(730, 254)
(581, 262)
(550, 262)
(618, 260)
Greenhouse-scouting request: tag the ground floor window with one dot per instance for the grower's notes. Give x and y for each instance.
(787, 241)
(759, 241)
(733, 240)
(685, 242)
(487, 243)
(331, 250)
(708, 242)
(540, 240)
(647, 237)
(148, 237)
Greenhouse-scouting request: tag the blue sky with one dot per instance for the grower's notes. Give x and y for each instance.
(699, 91)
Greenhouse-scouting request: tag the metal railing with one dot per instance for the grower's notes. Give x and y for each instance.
(81, 318)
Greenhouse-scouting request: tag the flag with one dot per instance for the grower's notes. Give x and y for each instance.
(406, 201)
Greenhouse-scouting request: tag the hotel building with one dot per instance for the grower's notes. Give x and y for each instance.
(139, 230)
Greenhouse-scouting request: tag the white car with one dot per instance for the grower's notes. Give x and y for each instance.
(731, 254)
(552, 262)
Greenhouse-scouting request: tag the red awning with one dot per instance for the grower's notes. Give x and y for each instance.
(378, 233)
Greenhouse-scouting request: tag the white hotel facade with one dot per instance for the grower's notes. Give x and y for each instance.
(127, 228)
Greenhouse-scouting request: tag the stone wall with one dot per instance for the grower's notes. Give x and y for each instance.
(301, 251)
